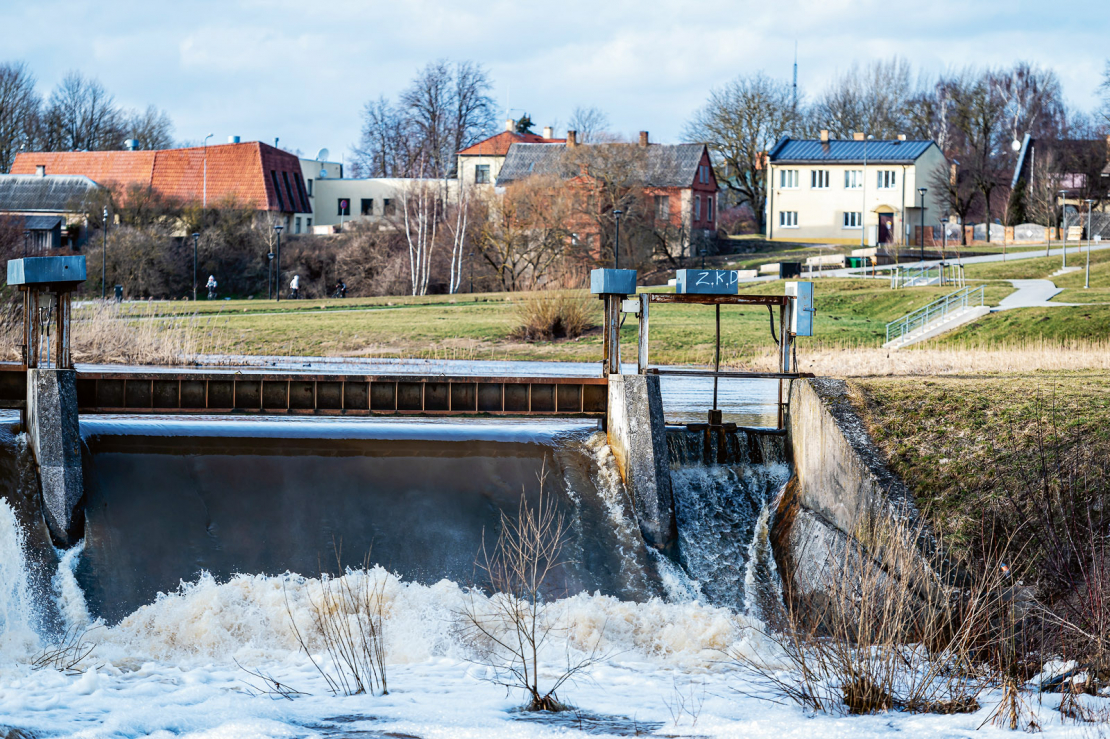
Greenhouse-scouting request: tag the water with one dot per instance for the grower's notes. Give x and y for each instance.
(205, 539)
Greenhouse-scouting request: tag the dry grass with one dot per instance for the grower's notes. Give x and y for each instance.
(107, 333)
(870, 361)
(543, 317)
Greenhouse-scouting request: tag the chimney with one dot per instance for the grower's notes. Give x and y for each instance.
(643, 138)
(40, 170)
(572, 139)
(547, 132)
(131, 144)
(952, 174)
(233, 139)
(510, 125)
(901, 137)
(824, 135)
(857, 136)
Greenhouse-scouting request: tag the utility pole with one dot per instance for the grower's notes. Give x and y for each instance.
(617, 249)
(277, 267)
(921, 238)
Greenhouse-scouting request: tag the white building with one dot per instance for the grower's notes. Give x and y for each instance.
(821, 190)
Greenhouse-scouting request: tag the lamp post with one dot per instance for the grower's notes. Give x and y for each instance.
(863, 203)
(104, 259)
(277, 267)
(617, 248)
(1087, 281)
(470, 264)
(1064, 222)
(921, 235)
(195, 237)
(269, 274)
(206, 168)
(944, 235)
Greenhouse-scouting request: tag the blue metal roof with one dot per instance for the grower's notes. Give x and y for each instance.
(805, 150)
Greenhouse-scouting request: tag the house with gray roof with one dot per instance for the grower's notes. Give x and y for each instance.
(677, 179)
(856, 191)
(51, 207)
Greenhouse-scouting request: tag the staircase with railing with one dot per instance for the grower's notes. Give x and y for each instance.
(938, 316)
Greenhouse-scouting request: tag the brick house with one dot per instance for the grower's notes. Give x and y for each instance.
(677, 181)
(251, 174)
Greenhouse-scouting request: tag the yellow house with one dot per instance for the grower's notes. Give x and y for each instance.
(859, 191)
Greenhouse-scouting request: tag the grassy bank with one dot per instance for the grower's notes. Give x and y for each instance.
(849, 312)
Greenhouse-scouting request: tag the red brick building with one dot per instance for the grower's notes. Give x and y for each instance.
(677, 180)
(251, 174)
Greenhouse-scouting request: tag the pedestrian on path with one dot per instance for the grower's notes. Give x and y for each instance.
(295, 287)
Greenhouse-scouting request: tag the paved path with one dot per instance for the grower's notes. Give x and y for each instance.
(1030, 294)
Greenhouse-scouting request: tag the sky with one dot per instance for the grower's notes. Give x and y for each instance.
(302, 71)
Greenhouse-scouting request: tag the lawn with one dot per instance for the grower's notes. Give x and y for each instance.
(952, 438)
(1083, 323)
(849, 312)
(1043, 267)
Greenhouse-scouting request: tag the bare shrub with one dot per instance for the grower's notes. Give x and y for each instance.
(270, 686)
(348, 618)
(516, 624)
(862, 640)
(67, 653)
(109, 332)
(545, 317)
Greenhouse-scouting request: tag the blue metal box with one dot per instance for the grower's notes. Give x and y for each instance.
(613, 282)
(46, 270)
(707, 281)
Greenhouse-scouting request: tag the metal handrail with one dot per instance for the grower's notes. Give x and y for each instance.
(935, 310)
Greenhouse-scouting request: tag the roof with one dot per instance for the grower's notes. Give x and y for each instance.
(41, 223)
(240, 172)
(21, 193)
(664, 165)
(789, 150)
(498, 146)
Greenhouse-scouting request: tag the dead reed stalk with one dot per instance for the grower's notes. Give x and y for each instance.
(550, 316)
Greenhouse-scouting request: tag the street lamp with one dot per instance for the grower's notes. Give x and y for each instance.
(1087, 281)
(944, 235)
(206, 168)
(617, 249)
(269, 274)
(104, 259)
(1064, 221)
(195, 237)
(921, 236)
(703, 251)
(863, 204)
(277, 267)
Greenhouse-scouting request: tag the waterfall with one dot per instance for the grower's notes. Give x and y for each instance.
(17, 606)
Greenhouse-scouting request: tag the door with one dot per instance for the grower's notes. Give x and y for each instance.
(886, 228)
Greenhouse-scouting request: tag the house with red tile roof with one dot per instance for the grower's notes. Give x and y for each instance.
(481, 163)
(251, 174)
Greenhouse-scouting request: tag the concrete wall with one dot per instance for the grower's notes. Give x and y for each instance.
(638, 437)
(844, 490)
(55, 438)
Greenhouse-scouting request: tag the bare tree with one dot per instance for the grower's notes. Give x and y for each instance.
(871, 99)
(388, 144)
(19, 111)
(1104, 91)
(421, 215)
(526, 232)
(81, 115)
(591, 125)
(958, 190)
(152, 128)
(1034, 101)
(979, 119)
(740, 123)
(457, 223)
(516, 624)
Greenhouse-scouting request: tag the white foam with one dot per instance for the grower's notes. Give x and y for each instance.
(17, 611)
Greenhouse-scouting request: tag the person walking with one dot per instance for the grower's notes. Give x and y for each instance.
(211, 287)
(295, 287)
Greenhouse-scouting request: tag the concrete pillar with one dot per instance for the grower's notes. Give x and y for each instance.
(55, 438)
(638, 438)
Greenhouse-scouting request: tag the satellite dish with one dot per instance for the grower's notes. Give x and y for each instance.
(323, 174)
(322, 155)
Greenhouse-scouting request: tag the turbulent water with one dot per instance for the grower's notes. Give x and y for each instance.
(185, 583)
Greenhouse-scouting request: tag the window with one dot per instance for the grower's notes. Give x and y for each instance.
(788, 218)
(289, 190)
(277, 190)
(310, 188)
(853, 219)
(481, 174)
(709, 208)
(344, 207)
(886, 180)
(301, 191)
(819, 178)
(367, 208)
(697, 207)
(853, 179)
(703, 174)
(297, 225)
(308, 224)
(663, 207)
(388, 208)
(788, 178)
